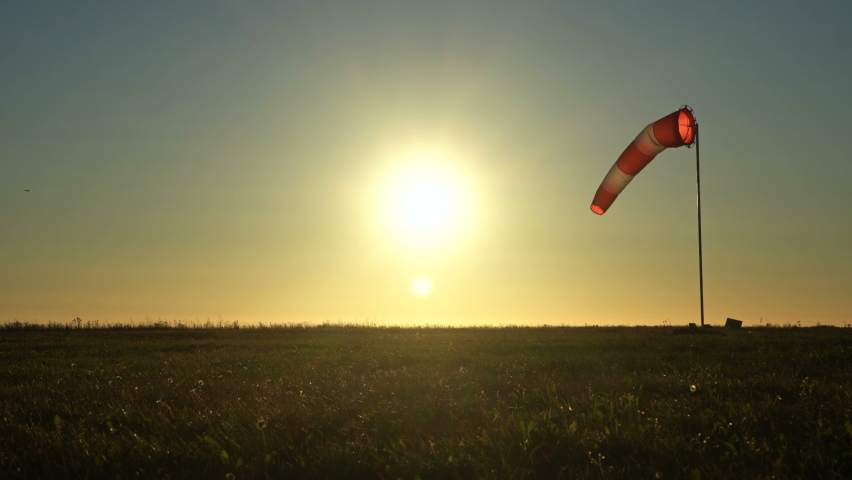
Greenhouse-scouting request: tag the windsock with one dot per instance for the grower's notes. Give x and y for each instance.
(674, 130)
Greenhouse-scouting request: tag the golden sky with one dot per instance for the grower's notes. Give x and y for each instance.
(252, 162)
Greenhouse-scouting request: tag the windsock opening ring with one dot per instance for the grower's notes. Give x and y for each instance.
(687, 125)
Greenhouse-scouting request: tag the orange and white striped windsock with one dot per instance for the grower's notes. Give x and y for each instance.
(674, 130)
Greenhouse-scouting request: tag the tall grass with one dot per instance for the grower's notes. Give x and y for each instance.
(362, 402)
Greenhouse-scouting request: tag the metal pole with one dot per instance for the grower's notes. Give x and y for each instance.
(700, 252)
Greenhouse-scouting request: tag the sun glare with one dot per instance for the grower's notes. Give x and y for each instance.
(421, 286)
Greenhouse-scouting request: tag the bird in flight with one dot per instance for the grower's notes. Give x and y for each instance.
(26, 190)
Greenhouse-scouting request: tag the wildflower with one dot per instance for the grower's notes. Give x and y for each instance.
(261, 423)
(693, 388)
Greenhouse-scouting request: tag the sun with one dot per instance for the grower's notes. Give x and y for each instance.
(421, 286)
(426, 205)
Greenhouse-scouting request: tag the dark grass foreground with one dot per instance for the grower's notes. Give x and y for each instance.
(386, 403)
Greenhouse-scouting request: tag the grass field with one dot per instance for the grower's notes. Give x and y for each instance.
(388, 403)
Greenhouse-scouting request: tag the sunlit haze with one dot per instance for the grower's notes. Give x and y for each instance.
(333, 161)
